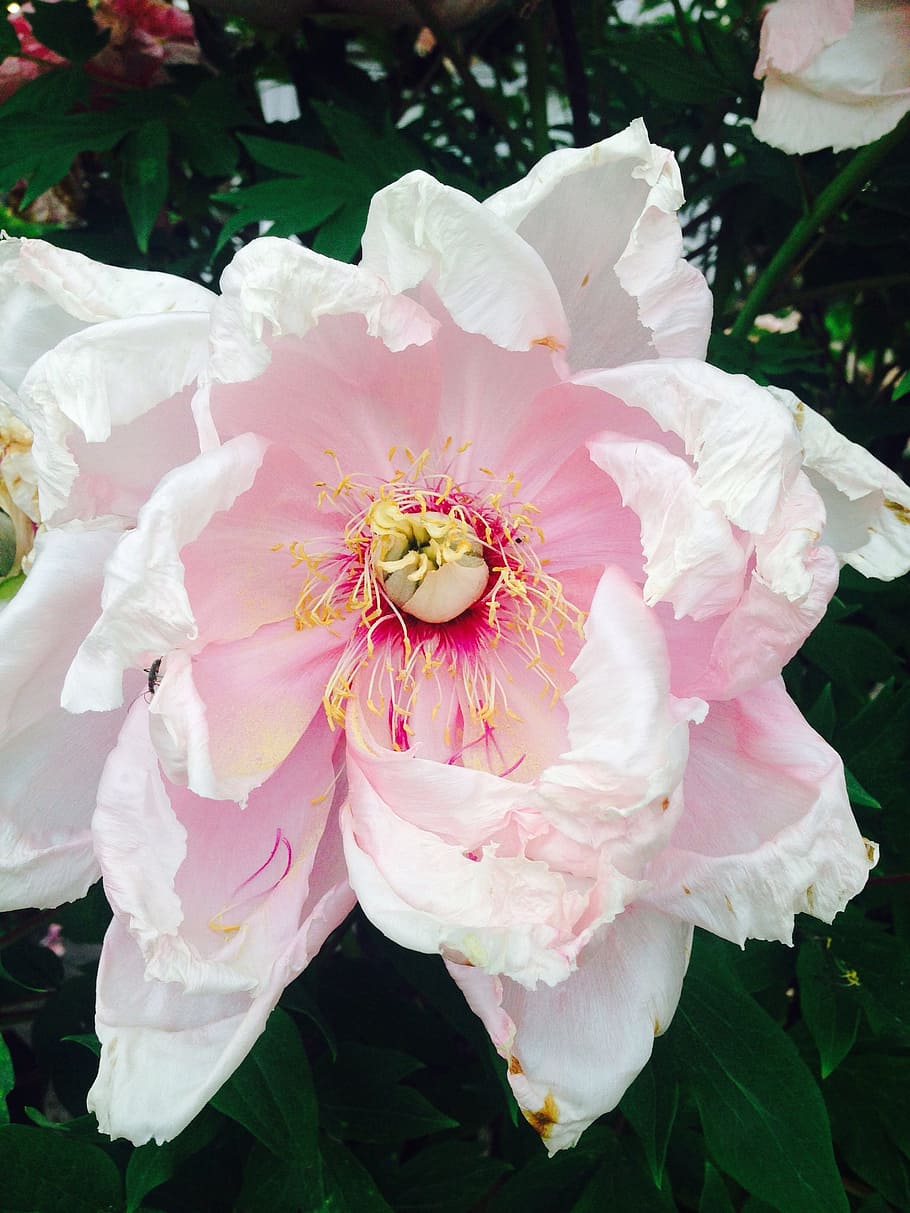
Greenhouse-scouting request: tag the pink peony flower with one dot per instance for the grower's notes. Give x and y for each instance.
(145, 37)
(836, 72)
(473, 606)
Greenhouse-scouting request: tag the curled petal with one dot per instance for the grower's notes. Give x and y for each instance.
(145, 608)
(624, 260)
(767, 830)
(867, 505)
(574, 1049)
(490, 280)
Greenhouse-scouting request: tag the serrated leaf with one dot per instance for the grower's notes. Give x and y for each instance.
(284, 202)
(271, 1095)
(68, 28)
(763, 1116)
(45, 1172)
(144, 177)
(831, 1007)
(378, 157)
(306, 163)
(7, 1080)
(151, 1165)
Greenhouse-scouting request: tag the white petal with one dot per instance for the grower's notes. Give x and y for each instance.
(51, 761)
(868, 505)
(490, 280)
(575, 1048)
(603, 218)
(288, 287)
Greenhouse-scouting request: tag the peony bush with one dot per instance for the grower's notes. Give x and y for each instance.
(455, 583)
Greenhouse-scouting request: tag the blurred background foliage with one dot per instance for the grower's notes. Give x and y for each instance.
(137, 133)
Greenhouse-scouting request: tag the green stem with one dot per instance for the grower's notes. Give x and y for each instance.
(537, 85)
(683, 26)
(852, 177)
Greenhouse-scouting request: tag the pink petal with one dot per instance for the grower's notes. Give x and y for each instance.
(575, 1048)
(767, 830)
(603, 218)
(228, 718)
(144, 603)
(490, 280)
(216, 910)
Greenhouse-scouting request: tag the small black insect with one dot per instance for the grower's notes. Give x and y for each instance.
(154, 675)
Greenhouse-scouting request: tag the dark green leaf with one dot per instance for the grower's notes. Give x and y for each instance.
(447, 1178)
(51, 93)
(271, 1095)
(86, 920)
(763, 1117)
(622, 1182)
(311, 166)
(361, 1098)
(151, 1165)
(831, 1006)
(671, 72)
(340, 235)
(823, 715)
(350, 1187)
(650, 1106)
(45, 1172)
(285, 202)
(902, 387)
(88, 1040)
(858, 794)
(144, 177)
(68, 28)
(7, 1080)
(280, 1185)
(544, 1185)
(714, 1195)
(379, 158)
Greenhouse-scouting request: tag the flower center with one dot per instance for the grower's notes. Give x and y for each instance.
(430, 564)
(436, 575)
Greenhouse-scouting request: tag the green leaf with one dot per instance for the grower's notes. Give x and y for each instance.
(902, 387)
(340, 235)
(667, 69)
(351, 1188)
(7, 1080)
(447, 1178)
(288, 205)
(361, 1098)
(545, 1185)
(280, 1185)
(144, 177)
(831, 1007)
(868, 1101)
(714, 1195)
(304, 162)
(271, 1095)
(68, 28)
(858, 794)
(823, 715)
(650, 1106)
(622, 1182)
(49, 94)
(45, 1172)
(88, 1040)
(152, 1165)
(378, 157)
(763, 1117)
(850, 656)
